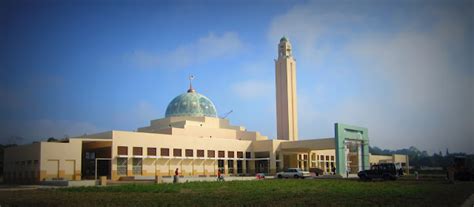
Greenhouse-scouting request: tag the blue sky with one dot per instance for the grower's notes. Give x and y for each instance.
(403, 69)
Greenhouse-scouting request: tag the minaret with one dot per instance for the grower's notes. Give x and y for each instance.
(286, 106)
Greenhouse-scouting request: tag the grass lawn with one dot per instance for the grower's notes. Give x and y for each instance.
(287, 192)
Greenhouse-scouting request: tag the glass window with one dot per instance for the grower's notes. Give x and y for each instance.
(230, 166)
(248, 155)
(177, 152)
(165, 152)
(151, 151)
(221, 154)
(230, 154)
(200, 153)
(189, 153)
(122, 166)
(240, 154)
(239, 167)
(211, 153)
(220, 165)
(137, 151)
(137, 166)
(121, 151)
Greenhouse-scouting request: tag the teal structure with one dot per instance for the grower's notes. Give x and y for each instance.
(345, 132)
(191, 104)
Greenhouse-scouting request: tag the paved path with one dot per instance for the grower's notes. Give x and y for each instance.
(469, 202)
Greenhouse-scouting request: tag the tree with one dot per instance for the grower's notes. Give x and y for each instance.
(52, 139)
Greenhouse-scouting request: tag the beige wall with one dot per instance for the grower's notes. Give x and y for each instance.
(43, 161)
(166, 166)
(200, 127)
(61, 160)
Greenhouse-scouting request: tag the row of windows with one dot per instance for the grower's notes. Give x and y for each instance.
(24, 174)
(137, 166)
(26, 162)
(322, 157)
(314, 156)
(152, 151)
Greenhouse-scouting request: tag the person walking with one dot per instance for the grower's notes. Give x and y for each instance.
(219, 176)
(176, 175)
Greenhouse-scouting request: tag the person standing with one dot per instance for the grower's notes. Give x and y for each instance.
(176, 174)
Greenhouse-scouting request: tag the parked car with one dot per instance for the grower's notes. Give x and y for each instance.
(316, 171)
(293, 173)
(386, 171)
(260, 176)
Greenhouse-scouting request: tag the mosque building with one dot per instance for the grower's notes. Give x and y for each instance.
(194, 139)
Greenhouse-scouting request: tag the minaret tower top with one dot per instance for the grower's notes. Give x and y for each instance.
(284, 48)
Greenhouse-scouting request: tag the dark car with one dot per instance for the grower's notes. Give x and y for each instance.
(386, 171)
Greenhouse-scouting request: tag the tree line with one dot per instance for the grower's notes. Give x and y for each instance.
(418, 158)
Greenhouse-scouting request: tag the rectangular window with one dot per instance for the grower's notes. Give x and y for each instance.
(189, 153)
(322, 157)
(332, 157)
(151, 151)
(211, 153)
(122, 150)
(230, 166)
(220, 165)
(165, 152)
(177, 152)
(200, 153)
(248, 155)
(239, 167)
(240, 154)
(327, 157)
(221, 154)
(230, 154)
(137, 166)
(122, 166)
(137, 151)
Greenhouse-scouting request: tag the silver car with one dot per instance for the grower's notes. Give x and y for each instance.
(293, 173)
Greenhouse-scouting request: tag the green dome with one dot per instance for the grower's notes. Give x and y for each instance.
(283, 39)
(191, 104)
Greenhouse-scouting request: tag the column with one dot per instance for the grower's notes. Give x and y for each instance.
(272, 162)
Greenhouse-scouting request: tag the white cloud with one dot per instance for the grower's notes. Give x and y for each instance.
(202, 50)
(253, 89)
(418, 81)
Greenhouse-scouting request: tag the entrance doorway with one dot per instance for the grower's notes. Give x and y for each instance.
(96, 159)
(353, 149)
(262, 166)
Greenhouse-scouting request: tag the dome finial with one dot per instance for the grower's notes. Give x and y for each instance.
(191, 90)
